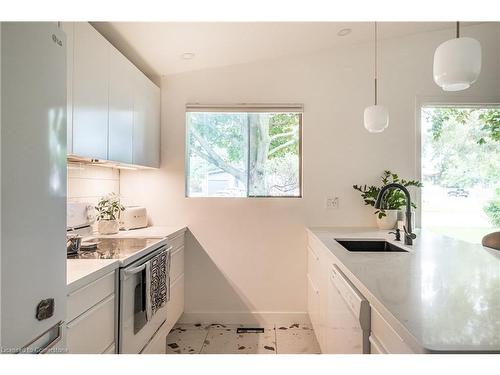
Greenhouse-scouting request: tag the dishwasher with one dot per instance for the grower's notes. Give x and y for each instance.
(348, 316)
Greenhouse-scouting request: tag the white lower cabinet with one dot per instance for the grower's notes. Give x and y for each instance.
(175, 306)
(91, 317)
(383, 336)
(93, 332)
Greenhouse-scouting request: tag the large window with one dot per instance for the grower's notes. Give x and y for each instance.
(461, 170)
(243, 152)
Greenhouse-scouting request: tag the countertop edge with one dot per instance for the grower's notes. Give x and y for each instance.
(103, 270)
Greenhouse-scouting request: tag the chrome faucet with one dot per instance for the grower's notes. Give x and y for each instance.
(409, 236)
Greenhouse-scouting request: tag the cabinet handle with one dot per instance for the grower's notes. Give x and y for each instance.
(44, 349)
(132, 271)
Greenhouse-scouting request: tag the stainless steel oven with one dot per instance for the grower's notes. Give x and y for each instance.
(135, 330)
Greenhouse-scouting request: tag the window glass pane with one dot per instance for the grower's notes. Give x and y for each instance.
(274, 154)
(217, 154)
(240, 154)
(461, 171)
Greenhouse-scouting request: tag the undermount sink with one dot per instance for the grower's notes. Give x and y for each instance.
(369, 246)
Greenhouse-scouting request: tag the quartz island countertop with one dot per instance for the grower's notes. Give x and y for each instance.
(444, 292)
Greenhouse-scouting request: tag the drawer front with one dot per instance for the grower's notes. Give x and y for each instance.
(176, 242)
(177, 264)
(158, 344)
(313, 265)
(386, 337)
(313, 305)
(84, 298)
(314, 243)
(175, 307)
(94, 331)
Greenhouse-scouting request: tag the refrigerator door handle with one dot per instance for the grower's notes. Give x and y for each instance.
(54, 334)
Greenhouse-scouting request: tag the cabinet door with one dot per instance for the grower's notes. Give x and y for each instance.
(94, 331)
(121, 107)
(68, 28)
(146, 122)
(33, 174)
(90, 92)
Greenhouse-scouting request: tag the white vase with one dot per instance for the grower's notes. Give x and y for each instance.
(108, 226)
(389, 220)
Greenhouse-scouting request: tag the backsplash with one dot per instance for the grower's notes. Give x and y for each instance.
(87, 183)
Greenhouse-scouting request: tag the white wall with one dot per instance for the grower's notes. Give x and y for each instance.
(88, 183)
(248, 255)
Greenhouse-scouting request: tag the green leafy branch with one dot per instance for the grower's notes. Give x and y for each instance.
(109, 207)
(394, 198)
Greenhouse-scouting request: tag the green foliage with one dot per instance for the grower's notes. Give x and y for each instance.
(225, 133)
(283, 130)
(489, 120)
(258, 149)
(492, 209)
(394, 198)
(461, 146)
(491, 124)
(109, 207)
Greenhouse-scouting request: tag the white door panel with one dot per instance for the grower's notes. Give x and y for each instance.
(146, 122)
(33, 174)
(121, 107)
(90, 92)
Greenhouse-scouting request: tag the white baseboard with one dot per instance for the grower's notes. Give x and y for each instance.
(260, 318)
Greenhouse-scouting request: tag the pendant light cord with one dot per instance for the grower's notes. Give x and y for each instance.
(458, 29)
(375, 63)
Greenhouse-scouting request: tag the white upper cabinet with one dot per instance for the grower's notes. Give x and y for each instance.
(146, 122)
(121, 107)
(90, 92)
(114, 109)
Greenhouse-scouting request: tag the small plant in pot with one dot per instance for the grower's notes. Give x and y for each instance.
(108, 210)
(387, 216)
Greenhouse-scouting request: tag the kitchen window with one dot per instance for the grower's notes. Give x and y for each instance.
(244, 151)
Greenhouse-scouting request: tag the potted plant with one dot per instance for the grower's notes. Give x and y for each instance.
(108, 210)
(387, 216)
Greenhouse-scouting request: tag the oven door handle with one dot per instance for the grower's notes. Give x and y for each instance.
(134, 270)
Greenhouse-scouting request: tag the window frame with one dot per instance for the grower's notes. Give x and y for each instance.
(439, 101)
(244, 108)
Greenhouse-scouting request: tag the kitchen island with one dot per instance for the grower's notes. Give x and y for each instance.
(441, 296)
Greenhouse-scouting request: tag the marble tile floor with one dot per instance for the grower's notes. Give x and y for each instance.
(224, 339)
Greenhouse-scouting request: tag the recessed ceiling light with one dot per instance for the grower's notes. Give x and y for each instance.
(344, 32)
(187, 55)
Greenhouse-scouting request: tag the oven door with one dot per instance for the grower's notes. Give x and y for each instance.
(135, 330)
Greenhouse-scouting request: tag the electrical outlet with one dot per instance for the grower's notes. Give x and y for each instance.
(332, 203)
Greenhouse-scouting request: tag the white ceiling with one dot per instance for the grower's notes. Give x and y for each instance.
(156, 47)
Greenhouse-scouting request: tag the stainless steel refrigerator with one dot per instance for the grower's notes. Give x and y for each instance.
(33, 187)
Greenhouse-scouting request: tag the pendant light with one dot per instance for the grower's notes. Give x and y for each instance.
(376, 117)
(457, 63)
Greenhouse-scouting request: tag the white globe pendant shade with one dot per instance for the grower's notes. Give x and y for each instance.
(457, 63)
(376, 118)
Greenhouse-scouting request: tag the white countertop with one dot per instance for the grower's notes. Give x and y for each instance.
(444, 292)
(80, 272)
(149, 232)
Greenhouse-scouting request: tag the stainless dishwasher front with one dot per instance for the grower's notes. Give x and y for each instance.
(348, 316)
